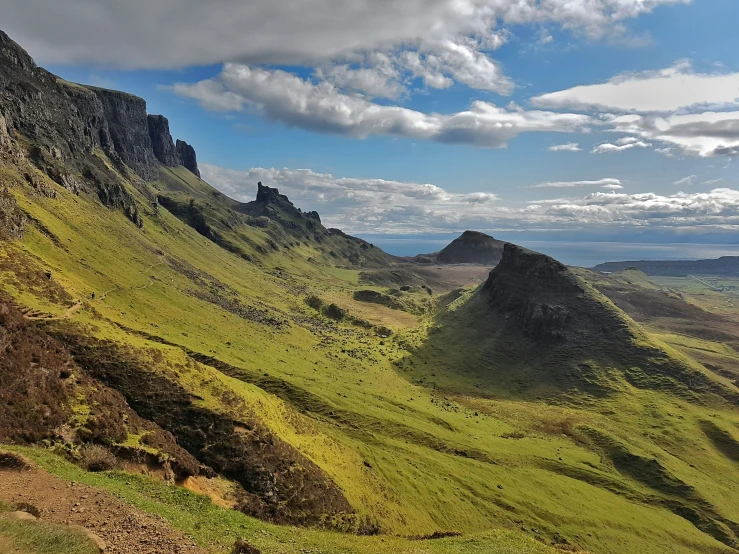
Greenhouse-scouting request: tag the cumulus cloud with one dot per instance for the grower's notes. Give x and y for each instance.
(568, 147)
(354, 204)
(668, 90)
(693, 113)
(360, 205)
(719, 207)
(625, 143)
(605, 183)
(703, 134)
(179, 33)
(281, 96)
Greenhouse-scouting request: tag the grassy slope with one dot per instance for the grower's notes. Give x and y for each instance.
(433, 462)
(40, 537)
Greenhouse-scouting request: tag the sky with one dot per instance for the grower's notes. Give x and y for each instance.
(571, 120)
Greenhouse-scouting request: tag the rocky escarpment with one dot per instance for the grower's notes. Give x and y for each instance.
(186, 156)
(60, 127)
(129, 129)
(542, 296)
(161, 141)
(165, 149)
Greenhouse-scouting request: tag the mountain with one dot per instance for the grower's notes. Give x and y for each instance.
(550, 333)
(472, 247)
(253, 393)
(726, 266)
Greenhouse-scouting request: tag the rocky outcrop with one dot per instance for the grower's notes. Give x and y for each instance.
(165, 149)
(541, 296)
(60, 126)
(472, 247)
(267, 195)
(186, 156)
(129, 129)
(12, 219)
(161, 141)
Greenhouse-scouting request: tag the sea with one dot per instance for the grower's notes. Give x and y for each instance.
(577, 253)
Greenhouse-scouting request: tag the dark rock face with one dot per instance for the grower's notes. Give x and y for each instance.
(186, 157)
(472, 248)
(538, 293)
(66, 123)
(12, 220)
(269, 195)
(165, 149)
(161, 141)
(129, 129)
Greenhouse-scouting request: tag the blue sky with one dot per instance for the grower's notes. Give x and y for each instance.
(400, 120)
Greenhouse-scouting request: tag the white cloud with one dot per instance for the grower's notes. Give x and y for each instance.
(179, 33)
(605, 183)
(354, 204)
(612, 187)
(625, 143)
(668, 90)
(719, 207)
(568, 147)
(685, 181)
(359, 205)
(711, 181)
(281, 96)
(703, 134)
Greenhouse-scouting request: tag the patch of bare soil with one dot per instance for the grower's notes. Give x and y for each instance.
(123, 528)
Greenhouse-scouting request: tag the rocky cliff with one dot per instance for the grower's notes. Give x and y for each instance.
(543, 298)
(165, 149)
(60, 126)
(186, 156)
(161, 141)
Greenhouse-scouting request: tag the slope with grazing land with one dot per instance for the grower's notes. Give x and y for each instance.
(190, 354)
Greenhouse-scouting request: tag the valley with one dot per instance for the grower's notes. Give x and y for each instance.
(250, 374)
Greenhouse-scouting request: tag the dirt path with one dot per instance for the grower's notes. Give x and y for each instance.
(125, 529)
(32, 315)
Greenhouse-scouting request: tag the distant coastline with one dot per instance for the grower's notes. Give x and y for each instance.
(585, 254)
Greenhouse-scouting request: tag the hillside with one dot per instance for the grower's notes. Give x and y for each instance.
(725, 265)
(220, 370)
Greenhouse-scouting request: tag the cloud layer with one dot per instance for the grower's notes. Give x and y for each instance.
(381, 206)
(180, 33)
(695, 113)
(323, 107)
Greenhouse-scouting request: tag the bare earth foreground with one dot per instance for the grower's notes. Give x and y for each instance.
(124, 529)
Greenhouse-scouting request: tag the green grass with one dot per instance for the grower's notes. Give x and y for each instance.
(40, 537)
(417, 430)
(217, 528)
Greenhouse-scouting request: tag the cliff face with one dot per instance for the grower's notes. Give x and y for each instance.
(186, 157)
(58, 126)
(129, 130)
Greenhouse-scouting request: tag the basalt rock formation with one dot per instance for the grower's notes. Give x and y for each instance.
(568, 335)
(186, 156)
(165, 149)
(161, 141)
(60, 127)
